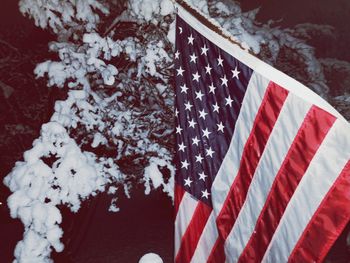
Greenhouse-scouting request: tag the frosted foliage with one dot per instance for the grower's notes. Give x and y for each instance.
(166, 7)
(148, 9)
(171, 33)
(78, 62)
(38, 188)
(154, 175)
(155, 54)
(58, 14)
(200, 5)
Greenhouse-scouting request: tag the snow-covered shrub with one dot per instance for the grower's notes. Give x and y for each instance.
(63, 15)
(149, 10)
(116, 124)
(54, 172)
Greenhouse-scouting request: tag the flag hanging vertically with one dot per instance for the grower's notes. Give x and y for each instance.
(263, 170)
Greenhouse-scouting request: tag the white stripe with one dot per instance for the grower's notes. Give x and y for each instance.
(206, 241)
(324, 169)
(282, 136)
(230, 165)
(183, 218)
(256, 64)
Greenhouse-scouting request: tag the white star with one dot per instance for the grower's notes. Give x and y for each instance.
(220, 60)
(176, 112)
(205, 194)
(184, 88)
(180, 28)
(199, 158)
(180, 71)
(185, 164)
(202, 114)
(212, 88)
(182, 147)
(188, 106)
(228, 101)
(220, 126)
(193, 58)
(188, 182)
(177, 54)
(204, 50)
(195, 141)
(235, 73)
(196, 76)
(216, 107)
(199, 95)
(206, 133)
(209, 152)
(224, 81)
(190, 39)
(202, 176)
(178, 129)
(192, 123)
(208, 69)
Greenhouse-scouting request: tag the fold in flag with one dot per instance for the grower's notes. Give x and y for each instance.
(263, 172)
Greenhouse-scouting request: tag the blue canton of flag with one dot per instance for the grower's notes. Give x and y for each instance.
(210, 86)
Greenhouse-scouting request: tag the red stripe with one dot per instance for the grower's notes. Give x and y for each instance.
(193, 232)
(327, 223)
(313, 130)
(217, 254)
(266, 117)
(179, 193)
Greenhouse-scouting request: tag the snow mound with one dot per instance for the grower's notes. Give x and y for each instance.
(151, 258)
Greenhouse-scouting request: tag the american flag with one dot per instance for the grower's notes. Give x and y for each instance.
(263, 171)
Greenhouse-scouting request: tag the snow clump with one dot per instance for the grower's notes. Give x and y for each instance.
(151, 258)
(54, 172)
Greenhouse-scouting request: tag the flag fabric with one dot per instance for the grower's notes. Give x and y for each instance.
(263, 172)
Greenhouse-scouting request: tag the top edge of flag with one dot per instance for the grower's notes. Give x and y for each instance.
(256, 64)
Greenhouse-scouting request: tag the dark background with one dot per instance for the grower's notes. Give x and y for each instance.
(335, 13)
(144, 223)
